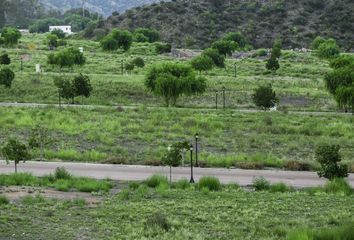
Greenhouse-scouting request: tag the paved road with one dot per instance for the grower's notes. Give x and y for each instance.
(138, 173)
(43, 105)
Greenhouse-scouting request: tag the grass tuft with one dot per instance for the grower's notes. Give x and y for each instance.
(155, 180)
(261, 184)
(209, 182)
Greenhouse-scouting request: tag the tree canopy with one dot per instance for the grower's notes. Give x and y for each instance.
(170, 81)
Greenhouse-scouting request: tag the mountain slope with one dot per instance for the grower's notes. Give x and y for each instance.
(104, 7)
(198, 22)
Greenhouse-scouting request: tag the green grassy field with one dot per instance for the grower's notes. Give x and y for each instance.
(299, 82)
(176, 214)
(141, 136)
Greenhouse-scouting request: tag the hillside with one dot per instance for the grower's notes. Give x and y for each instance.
(196, 23)
(104, 7)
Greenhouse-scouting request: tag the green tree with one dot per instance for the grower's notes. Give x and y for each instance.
(65, 89)
(202, 63)
(329, 158)
(5, 59)
(225, 47)
(11, 36)
(264, 97)
(344, 96)
(39, 139)
(317, 42)
(236, 37)
(15, 151)
(59, 33)
(139, 62)
(276, 49)
(108, 43)
(218, 59)
(67, 58)
(170, 81)
(52, 40)
(129, 67)
(339, 77)
(6, 77)
(124, 38)
(272, 64)
(151, 35)
(342, 61)
(82, 86)
(139, 37)
(328, 49)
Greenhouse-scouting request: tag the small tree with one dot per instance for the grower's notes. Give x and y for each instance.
(15, 151)
(264, 97)
(317, 42)
(329, 158)
(5, 59)
(11, 36)
(129, 67)
(272, 64)
(236, 37)
(151, 35)
(6, 77)
(339, 77)
(67, 58)
(170, 81)
(82, 86)
(218, 59)
(342, 61)
(39, 138)
(124, 38)
(202, 63)
(65, 89)
(225, 47)
(328, 49)
(139, 62)
(108, 43)
(174, 155)
(52, 40)
(344, 96)
(59, 33)
(276, 49)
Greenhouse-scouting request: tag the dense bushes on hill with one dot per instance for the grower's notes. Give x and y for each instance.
(198, 23)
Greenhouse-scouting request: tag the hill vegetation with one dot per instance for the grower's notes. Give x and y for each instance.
(197, 23)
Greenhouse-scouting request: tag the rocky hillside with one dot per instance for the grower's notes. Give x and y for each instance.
(195, 23)
(104, 7)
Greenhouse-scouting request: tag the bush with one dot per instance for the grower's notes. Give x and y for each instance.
(279, 187)
(344, 232)
(163, 48)
(158, 220)
(338, 185)
(329, 157)
(5, 59)
(328, 49)
(317, 42)
(6, 77)
(155, 180)
(62, 173)
(264, 97)
(211, 183)
(4, 200)
(342, 61)
(183, 184)
(261, 184)
(218, 59)
(139, 62)
(262, 52)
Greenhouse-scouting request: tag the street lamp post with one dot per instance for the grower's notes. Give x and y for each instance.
(196, 149)
(191, 150)
(223, 96)
(216, 100)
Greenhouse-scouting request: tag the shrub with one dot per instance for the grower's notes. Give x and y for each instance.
(262, 52)
(133, 185)
(5, 59)
(6, 77)
(202, 63)
(279, 187)
(139, 62)
(328, 49)
(338, 185)
(4, 200)
(342, 61)
(158, 220)
(317, 42)
(183, 184)
(155, 180)
(209, 182)
(218, 59)
(225, 47)
(261, 184)
(163, 48)
(62, 173)
(329, 157)
(264, 97)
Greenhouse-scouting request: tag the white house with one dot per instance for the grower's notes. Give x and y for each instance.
(65, 29)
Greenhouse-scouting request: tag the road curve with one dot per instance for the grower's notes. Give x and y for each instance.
(139, 173)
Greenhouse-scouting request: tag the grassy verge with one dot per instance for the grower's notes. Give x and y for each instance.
(65, 184)
(141, 212)
(141, 136)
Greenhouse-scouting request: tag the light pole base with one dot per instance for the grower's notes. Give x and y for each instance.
(191, 181)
